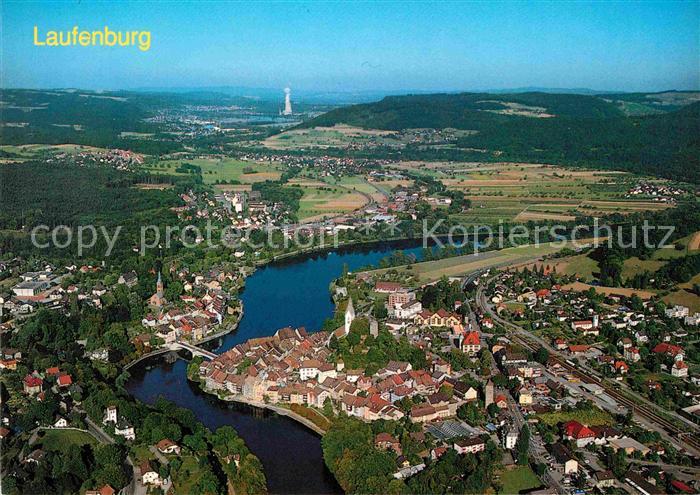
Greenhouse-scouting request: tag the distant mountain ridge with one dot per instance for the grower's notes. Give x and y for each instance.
(465, 110)
(652, 133)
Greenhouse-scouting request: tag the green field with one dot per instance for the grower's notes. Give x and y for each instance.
(580, 265)
(589, 417)
(430, 271)
(633, 266)
(535, 192)
(519, 479)
(61, 440)
(220, 169)
(325, 137)
(27, 151)
(326, 200)
(670, 252)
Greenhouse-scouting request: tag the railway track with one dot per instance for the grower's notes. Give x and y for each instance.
(691, 438)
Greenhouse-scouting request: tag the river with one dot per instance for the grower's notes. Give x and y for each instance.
(292, 292)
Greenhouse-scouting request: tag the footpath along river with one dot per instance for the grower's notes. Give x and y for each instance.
(292, 292)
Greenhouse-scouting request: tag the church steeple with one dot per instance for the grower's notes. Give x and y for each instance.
(158, 299)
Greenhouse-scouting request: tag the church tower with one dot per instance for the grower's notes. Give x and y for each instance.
(349, 316)
(488, 392)
(158, 299)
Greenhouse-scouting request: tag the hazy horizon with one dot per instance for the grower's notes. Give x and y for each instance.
(388, 92)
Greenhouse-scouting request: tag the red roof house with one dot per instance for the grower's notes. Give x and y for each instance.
(670, 350)
(581, 434)
(64, 381)
(32, 384)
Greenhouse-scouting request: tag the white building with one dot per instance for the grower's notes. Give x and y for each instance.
(149, 476)
(124, 429)
(406, 311)
(349, 316)
(679, 369)
(469, 445)
(510, 439)
(60, 423)
(110, 415)
(693, 320)
(309, 369)
(677, 312)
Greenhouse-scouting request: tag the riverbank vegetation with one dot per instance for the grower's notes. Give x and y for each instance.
(349, 453)
(312, 415)
(71, 463)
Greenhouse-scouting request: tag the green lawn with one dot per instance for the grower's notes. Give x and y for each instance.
(141, 453)
(520, 479)
(671, 252)
(61, 440)
(358, 183)
(32, 150)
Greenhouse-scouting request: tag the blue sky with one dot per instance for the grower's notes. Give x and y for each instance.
(349, 46)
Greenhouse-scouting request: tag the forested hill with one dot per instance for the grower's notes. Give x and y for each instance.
(656, 134)
(465, 110)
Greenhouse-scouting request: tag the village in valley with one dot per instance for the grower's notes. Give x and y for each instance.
(363, 248)
(471, 383)
(533, 363)
(515, 355)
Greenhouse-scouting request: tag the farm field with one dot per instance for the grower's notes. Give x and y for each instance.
(683, 297)
(634, 265)
(694, 243)
(430, 271)
(534, 192)
(326, 137)
(580, 265)
(217, 170)
(322, 200)
(361, 185)
(27, 151)
(689, 242)
(614, 291)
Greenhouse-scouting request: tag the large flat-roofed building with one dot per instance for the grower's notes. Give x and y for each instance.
(30, 288)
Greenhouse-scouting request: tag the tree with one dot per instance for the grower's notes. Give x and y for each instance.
(541, 355)
(471, 413)
(379, 310)
(110, 465)
(522, 446)
(616, 461)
